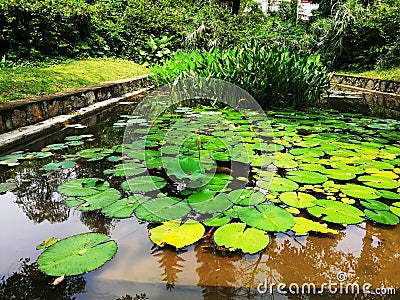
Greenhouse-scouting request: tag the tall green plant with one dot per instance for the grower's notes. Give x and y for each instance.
(275, 78)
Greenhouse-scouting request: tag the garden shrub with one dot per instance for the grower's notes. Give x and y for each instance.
(274, 77)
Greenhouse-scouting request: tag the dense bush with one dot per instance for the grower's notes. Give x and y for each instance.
(275, 78)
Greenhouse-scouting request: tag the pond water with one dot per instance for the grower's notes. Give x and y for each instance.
(364, 253)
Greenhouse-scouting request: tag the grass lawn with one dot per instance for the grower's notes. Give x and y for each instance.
(22, 82)
(391, 74)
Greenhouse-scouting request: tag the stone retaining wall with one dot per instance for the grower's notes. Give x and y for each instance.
(386, 86)
(18, 113)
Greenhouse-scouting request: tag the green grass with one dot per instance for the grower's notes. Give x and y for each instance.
(391, 74)
(25, 81)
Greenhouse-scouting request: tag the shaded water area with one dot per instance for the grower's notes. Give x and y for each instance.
(366, 253)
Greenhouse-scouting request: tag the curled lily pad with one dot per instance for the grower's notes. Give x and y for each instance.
(303, 226)
(336, 212)
(83, 187)
(235, 236)
(77, 254)
(176, 234)
(267, 217)
(298, 200)
(383, 217)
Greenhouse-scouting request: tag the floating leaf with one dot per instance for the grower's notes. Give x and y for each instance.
(308, 177)
(77, 254)
(336, 212)
(176, 234)
(360, 192)
(80, 188)
(374, 205)
(383, 217)
(278, 184)
(47, 243)
(389, 195)
(267, 217)
(246, 197)
(303, 226)
(144, 184)
(187, 167)
(162, 209)
(100, 200)
(7, 186)
(214, 205)
(339, 174)
(234, 236)
(395, 208)
(121, 209)
(126, 169)
(59, 166)
(217, 220)
(378, 181)
(297, 199)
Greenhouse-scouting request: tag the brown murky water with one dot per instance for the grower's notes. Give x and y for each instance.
(361, 254)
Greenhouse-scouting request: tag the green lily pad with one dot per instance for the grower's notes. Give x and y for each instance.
(267, 217)
(216, 204)
(234, 236)
(99, 200)
(187, 167)
(203, 196)
(143, 184)
(379, 182)
(374, 205)
(382, 217)
(7, 186)
(246, 197)
(67, 164)
(162, 209)
(339, 174)
(336, 212)
(286, 164)
(389, 195)
(395, 208)
(176, 234)
(303, 226)
(47, 243)
(121, 209)
(77, 254)
(359, 191)
(217, 220)
(126, 169)
(306, 177)
(278, 184)
(298, 199)
(80, 187)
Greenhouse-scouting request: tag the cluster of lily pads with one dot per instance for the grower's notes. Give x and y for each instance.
(199, 170)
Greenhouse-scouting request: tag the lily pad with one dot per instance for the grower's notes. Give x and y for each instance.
(379, 182)
(81, 187)
(308, 177)
(59, 166)
(77, 254)
(297, 199)
(395, 208)
(216, 204)
(162, 209)
(374, 205)
(121, 209)
(176, 234)
(217, 220)
(99, 200)
(278, 184)
(303, 226)
(234, 236)
(359, 191)
(126, 169)
(47, 243)
(267, 217)
(339, 174)
(7, 186)
(246, 197)
(143, 184)
(336, 212)
(382, 217)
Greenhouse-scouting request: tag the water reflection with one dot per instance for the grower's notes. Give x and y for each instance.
(97, 222)
(29, 283)
(170, 262)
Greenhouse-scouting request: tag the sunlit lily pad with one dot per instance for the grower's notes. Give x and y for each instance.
(217, 220)
(379, 182)
(336, 212)
(359, 191)
(278, 184)
(389, 195)
(176, 234)
(234, 236)
(297, 199)
(99, 200)
(339, 174)
(77, 254)
(303, 226)
(375, 205)
(306, 177)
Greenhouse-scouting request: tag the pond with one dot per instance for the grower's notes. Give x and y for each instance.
(332, 180)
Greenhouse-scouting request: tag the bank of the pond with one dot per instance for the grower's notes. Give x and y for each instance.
(23, 120)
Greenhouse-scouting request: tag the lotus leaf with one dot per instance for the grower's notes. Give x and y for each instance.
(122, 208)
(267, 217)
(77, 254)
(336, 212)
(217, 220)
(303, 226)
(162, 209)
(374, 205)
(176, 234)
(234, 236)
(278, 184)
(297, 199)
(378, 181)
